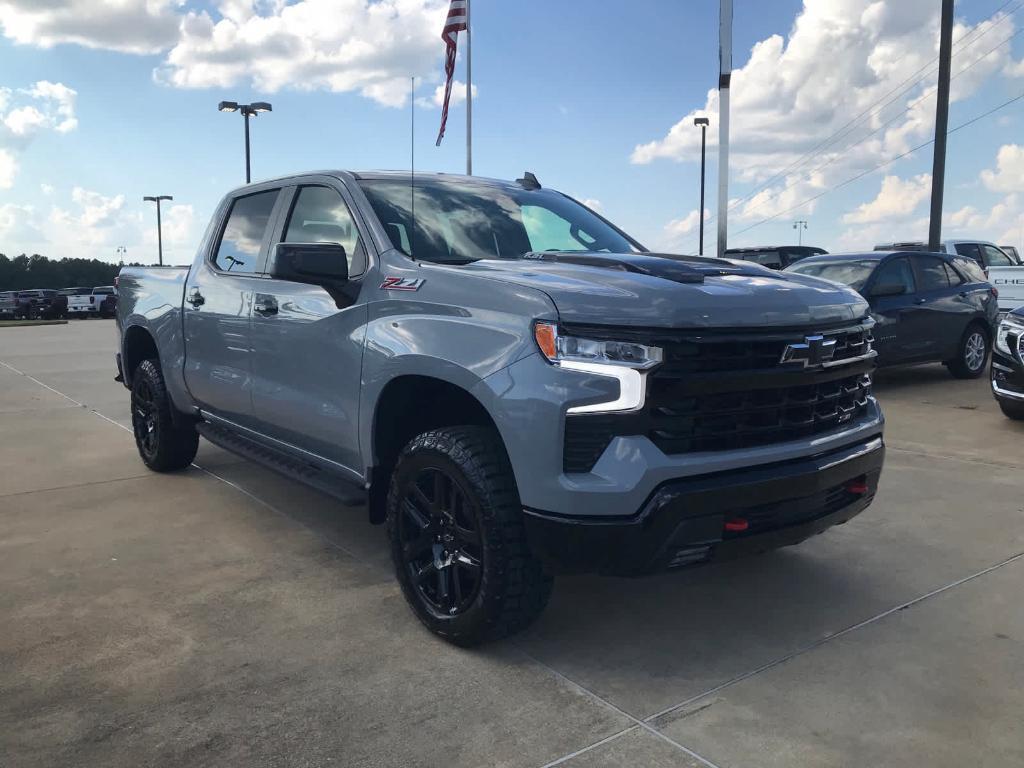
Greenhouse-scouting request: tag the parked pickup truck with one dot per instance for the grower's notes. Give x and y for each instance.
(93, 302)
(512, 384)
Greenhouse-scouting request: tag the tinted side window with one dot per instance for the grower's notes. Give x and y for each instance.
(239, 249)
(970, 250)
(319, 215)
(898, 272)
(954, 277)
(931, 274)
(995, 257)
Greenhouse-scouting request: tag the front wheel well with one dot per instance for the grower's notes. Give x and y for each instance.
(407, 407)
(138, 346)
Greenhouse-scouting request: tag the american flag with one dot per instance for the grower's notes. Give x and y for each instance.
(455, 23)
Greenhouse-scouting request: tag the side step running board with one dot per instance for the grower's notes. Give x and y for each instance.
(342, 489)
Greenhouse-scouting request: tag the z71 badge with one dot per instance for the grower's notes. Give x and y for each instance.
(402, 283)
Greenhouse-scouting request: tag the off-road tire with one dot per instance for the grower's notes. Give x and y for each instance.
(960, 366)
(514, 586)
(1012, 410)
(165, 444)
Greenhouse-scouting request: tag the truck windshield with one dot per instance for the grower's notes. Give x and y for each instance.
(851, 273)
(459, 223)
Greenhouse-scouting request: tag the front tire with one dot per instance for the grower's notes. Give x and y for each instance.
(972, 354)
(163, 444)
(457, 537)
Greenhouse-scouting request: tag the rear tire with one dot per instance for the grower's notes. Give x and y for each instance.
(972, 353)
(163, 444)
(1012, 410)
(457, 537)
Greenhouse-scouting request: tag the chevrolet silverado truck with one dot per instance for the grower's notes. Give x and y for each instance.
(509, 382)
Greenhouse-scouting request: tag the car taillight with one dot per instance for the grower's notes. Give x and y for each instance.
(92, 299)
(995, 292)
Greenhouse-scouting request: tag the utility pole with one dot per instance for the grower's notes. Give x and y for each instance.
(800, 226)
(724, 75)
(941, 126)
(703, 123)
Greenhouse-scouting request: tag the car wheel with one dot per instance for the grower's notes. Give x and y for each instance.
(163, 444)
(457, 537)
(1012, 409)
(972, 354)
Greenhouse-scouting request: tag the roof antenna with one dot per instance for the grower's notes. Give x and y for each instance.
(529, 181)
(412, 160)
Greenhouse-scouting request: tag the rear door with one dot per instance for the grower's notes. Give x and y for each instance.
(307, 340)
(946, 305)
(897, 335)
(218, 299)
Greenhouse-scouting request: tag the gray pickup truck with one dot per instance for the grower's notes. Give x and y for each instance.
(513, 385)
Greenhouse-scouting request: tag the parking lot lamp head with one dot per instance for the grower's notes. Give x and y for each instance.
(228, 106)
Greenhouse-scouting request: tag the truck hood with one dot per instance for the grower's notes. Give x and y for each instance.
(654, 290)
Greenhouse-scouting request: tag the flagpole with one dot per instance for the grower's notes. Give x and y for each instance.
(469, 95)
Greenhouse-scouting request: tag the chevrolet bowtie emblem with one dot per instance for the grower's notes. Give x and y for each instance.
(813, 352)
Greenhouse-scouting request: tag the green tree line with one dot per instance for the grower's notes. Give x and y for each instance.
(37, 271)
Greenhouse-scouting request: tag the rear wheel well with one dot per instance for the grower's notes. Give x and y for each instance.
(407, 407)
(138, 346)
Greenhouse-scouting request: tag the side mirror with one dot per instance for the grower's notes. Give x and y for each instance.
(889, 289)
(311, 262)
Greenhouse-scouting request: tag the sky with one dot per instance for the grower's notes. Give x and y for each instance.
(105, 101)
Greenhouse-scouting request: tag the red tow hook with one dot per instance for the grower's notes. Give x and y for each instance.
(859, 487)
(736, 524)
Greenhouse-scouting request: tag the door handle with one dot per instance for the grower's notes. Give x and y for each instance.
(195, 298)
(963, 294)
(265, 305)
(920, 301)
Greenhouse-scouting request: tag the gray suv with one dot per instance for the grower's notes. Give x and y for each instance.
(511, 383)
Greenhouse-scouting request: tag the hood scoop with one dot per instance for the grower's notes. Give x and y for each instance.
(664, 267)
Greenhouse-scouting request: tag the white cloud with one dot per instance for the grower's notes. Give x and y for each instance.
(687, 224)
(24, 114)
(337, 45)
(840, 59)
(46, 189)
(18, 224)
(897, 198)
(371, 47)
(1009, 173)
(8, 169)
(436, 99)
(132, 26)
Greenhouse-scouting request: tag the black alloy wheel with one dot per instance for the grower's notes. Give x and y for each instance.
(442, 546)
(145, 418)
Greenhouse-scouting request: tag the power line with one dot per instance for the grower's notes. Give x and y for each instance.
(888, 162)
(872, 110)
(890, 121)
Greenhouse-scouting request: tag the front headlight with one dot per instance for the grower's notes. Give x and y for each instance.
(626, 361)
(1009, 336)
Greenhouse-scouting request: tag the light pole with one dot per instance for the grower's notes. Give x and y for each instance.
(703, 123)
(247, 110)
(800, 226)
(122, 253)
(159, 234)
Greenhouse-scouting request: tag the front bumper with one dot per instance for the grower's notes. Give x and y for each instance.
(683, 522)
(1007, 377)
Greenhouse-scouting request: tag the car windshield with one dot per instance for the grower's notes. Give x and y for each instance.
(459, 223)
(851, 273)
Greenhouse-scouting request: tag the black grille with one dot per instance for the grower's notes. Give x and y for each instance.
(721, 392)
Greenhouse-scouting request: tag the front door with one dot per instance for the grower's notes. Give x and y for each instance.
(898, 330)
(218, 299)
(307, 340)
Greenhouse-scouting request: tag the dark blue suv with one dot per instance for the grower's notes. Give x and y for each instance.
(929, 307)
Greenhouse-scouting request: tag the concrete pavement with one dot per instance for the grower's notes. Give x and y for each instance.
(225, 616)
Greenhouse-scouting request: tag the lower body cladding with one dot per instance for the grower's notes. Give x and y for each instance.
(1007, 380)
(713, 517)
